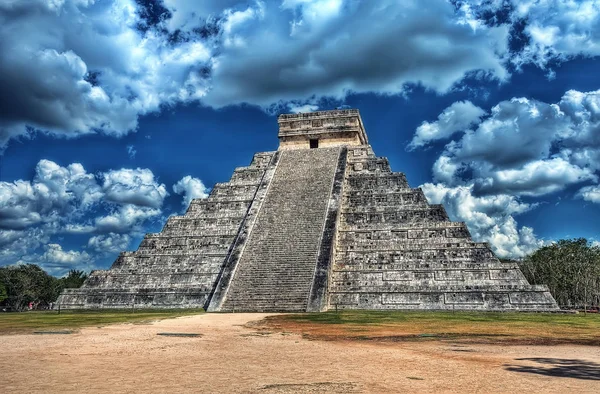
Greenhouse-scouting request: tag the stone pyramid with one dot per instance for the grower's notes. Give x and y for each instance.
(322, 223)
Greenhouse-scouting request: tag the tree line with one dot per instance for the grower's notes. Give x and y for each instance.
(570, 268)
(25, 284)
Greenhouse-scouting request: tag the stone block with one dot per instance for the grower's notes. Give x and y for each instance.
(464, 298)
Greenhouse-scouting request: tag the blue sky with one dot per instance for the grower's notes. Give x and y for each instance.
(114, 114)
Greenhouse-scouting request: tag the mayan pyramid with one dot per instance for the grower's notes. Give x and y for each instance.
(322, 223)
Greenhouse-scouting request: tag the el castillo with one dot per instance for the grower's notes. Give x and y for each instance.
(321, 224)
(299, 196)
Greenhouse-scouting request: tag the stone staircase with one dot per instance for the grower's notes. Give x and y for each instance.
(277, 266)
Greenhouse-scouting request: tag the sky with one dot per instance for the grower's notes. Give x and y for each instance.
(114, 114)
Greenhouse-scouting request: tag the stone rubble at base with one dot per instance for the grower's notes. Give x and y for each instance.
(305, 229)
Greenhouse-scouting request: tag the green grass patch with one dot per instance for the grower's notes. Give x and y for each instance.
(360, 317)
(490, 327)
(28, 322)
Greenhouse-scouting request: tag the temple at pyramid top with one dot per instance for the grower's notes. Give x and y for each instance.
(321, 129)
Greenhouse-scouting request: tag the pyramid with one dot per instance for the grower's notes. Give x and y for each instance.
(321, 223)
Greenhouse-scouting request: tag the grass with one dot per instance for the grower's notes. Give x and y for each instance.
(488, 327)
(28, 322)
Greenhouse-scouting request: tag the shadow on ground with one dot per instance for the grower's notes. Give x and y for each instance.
(323, 387)
(559, 367)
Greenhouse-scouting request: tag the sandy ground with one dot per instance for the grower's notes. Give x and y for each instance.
(232, 358)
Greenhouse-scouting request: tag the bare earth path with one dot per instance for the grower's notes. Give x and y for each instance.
(229, 357)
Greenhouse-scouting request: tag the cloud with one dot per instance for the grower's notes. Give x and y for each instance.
(558, 29)
(133, 186)
(329, 48)
(489, 218)
(522, 147)
(17, 202)
(535, 178)
(54, 192)
(79, 67)
(125, 218)
(57, 257)
(149, 55)
(57, 261)
(590, 193)
(185, 14)
(63, 194)
(109, 243)
(112, 207)
(303, 108)
(146, 56)
(131, 152)
(583, 108)
(457, 117)
(445, 170)
(17, 244)
(191, 188)
(518, 131)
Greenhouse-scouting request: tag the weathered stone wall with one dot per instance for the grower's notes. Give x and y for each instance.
(331, 128)
(396, 251)
(179, 266)
(303, 142)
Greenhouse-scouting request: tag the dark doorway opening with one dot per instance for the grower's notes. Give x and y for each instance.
(314, 144)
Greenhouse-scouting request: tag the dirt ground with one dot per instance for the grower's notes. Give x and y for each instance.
(231, 357)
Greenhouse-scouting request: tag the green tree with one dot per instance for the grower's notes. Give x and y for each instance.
(570, 268)
(3, 294)
(73, 280)
(25, 283)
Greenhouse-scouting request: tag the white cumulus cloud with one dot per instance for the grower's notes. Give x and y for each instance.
(558, 29)
(145, 56)
(489, 218)
(112, 207)
(109, 243)
(77, 67)
(522, 147)
(190, 188)
(590, 193)
(301, 49)
(56, 255)
(457, 117)
(133, 186)
(535, 178)
(525, 147)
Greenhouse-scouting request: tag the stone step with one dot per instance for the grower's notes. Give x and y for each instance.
(279, 259)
